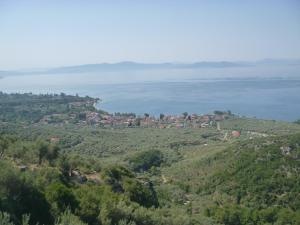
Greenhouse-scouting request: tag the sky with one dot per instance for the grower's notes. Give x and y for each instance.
(41, 34)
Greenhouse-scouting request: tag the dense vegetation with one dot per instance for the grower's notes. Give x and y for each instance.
(81, 174)
(261, 185)
(32, 108)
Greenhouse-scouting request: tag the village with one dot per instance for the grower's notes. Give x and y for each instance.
(85, 113)
(122, 120)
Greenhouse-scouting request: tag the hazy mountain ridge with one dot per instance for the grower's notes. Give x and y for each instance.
(128, 65)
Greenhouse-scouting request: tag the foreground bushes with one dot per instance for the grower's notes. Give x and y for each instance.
(23, 193)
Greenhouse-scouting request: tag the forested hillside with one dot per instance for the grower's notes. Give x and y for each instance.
(80, 173)
(29, 108)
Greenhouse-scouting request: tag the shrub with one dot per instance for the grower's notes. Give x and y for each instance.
(145, 160)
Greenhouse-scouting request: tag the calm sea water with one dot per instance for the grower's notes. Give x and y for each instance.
(271, 96)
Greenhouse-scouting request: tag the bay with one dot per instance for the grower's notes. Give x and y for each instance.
(272, 95)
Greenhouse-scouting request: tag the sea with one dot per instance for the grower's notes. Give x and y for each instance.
(265, 92)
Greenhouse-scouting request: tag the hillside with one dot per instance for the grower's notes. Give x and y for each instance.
(57, 166)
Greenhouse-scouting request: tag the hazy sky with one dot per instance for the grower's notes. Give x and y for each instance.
(55, 33)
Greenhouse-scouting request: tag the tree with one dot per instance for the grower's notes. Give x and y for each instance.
(19, 196)
(91, 200)
(3, 145)
(138, 121)
(143, 194)
(43, 149)
(52, 153)
(67, 218)
(161, 116)
(61, 198)
(145, 160)
(82, 116)
(64, 166)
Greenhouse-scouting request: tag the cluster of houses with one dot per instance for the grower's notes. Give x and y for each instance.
(119, 120)
(168, 121)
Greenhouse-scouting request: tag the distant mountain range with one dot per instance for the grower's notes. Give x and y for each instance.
(127, 66)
